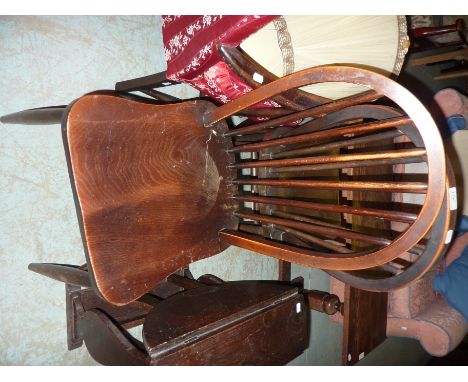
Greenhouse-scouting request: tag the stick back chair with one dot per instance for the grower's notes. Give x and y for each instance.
(158, 186)
(421, 36)
(396, 273)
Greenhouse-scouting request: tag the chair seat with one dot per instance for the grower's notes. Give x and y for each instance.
(235, 323)
(134, 168)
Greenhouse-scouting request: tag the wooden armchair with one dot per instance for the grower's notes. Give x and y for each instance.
(455, 51)
(160, 185)
(421, 36)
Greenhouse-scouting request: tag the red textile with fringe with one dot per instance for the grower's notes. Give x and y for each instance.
(190, 41)
(190, 47)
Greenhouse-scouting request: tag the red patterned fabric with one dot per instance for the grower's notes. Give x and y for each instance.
(190, 41)
(191, 54)
(223, 85)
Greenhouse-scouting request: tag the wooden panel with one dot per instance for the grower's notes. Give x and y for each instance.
(365, 323)
(151, 186)
(255, 341)
(365, 318)
(209, 307)
(229, 324)
(108, 344)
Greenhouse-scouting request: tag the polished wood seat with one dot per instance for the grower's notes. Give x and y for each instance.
(152, 189)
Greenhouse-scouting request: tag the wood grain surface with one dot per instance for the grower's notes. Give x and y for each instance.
(151, 186)
(235, 323)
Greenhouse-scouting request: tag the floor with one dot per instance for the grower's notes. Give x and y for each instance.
(51, 61)
(458, 357)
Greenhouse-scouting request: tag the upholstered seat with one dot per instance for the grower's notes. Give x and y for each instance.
(420, 313)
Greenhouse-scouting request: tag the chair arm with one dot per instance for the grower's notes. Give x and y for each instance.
(107, 343)
(439, 329)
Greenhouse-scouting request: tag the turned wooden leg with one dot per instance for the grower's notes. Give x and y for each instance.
(41, 116)
(324, 302)
(284, 270)
(152, 81)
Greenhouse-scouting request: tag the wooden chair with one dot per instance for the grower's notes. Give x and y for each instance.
(389, 276)
(421, 36)
(233, 323)
(399, 272)
(455, 51)
(158, 186)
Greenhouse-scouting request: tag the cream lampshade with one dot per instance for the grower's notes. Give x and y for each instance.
(291, 43)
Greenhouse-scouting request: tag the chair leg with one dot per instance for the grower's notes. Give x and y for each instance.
(68, 274)
(160, 96)
(152, 81)
(147, 84)
(284, 270)
(41, 116)
(73, 311)
(457, 54)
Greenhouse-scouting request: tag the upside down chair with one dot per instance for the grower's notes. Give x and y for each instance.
(160, 183)
(159, 186)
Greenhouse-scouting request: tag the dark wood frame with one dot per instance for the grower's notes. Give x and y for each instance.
(103, 326)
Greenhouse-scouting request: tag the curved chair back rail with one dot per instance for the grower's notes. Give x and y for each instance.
(310, 136)
(296, 230)
(410, 267)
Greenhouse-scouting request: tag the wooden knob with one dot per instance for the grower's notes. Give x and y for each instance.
(324, 302)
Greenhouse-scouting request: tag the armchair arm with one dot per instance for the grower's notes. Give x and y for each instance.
(147, 84)
(108, 344)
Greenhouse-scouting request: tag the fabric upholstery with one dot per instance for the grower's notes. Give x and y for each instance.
(222, 84)
(453, 283)
(419, 312)
(190, 41)
(191, 55)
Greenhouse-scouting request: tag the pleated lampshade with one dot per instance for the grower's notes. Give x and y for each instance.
(292, 43)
